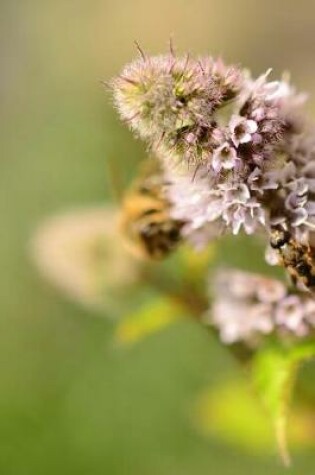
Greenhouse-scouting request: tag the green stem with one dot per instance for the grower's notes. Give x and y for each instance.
(192, 301)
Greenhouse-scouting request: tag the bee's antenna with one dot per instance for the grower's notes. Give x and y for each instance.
(140, 50)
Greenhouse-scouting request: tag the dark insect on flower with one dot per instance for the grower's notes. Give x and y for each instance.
(295, 256)
(147, 225)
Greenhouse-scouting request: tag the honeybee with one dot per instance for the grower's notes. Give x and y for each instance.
(146, 222)
(296, 257)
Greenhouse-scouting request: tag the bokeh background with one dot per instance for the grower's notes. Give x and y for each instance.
(71, 402)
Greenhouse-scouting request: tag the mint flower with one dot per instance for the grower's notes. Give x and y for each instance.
(290, 313)
(247, 307)
(242, 130)
(244, 167)
(225, 157)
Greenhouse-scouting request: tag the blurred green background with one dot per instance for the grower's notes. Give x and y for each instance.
(71, 403)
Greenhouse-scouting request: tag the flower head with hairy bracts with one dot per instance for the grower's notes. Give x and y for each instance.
(236, 151)
(248, 306)
(171, 101)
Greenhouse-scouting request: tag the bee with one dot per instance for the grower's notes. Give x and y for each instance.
(296, 257)
(146, 221)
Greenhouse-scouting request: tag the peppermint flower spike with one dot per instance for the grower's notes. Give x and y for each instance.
(224, 172)
(246, 307)
(261, 80)
(299, 217)
(242, 129)
(289, 312)
(277, 90)
(159, 94)
(176, 98)
(224, 157)
(237, 194)
(255, 215)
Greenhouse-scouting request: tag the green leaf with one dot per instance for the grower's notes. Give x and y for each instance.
(274, 370)
(231, 412)
(152, 317)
